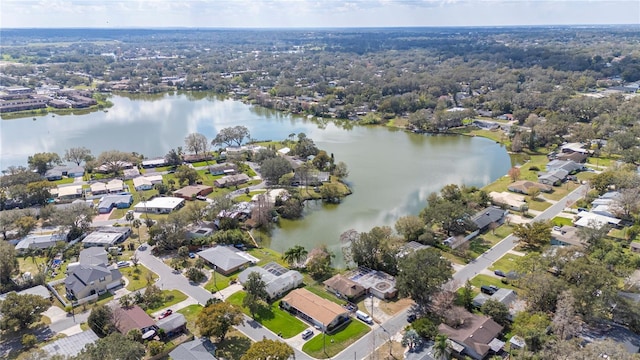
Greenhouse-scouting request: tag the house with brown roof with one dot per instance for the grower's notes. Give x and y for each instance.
(476, 337)
(191, 191)
(344, 288)
(566, 236)
(525, 186)
(231, 180)
(126, 319)
(325, 314)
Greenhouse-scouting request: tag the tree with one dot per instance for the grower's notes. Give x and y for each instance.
(76, 218)
(262, 210)
(115, 160)
(29, 340)
(256, 291)
(421, 274)
(321, 160)
(318, 263)
(534, 192)
(534, 234)
(8, 262)
(113, 347)
(20, 311)
(39, 192)
(197, 143)
(410, 227)
(129, 216)
(566, 323)
(450, 214)
(273, 169)
(126, 301)
(268, 350)
(441, 347)
(514, 173)
(340, 171)
(136, 224)
(425, 327)
(496, 310)
(174, 157)
(532, 327)
(305, 147)
(231, 135)
(186, 174)
(77, 155)
(411, 339)
(375, 249)
(467, 295)
(216, 319)
(195, 275)
(295, 255)
(101, 320)
(41, 162)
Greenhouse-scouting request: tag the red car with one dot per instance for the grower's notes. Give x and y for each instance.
(165, 314)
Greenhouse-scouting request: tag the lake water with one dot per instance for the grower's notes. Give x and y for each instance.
(391, 172)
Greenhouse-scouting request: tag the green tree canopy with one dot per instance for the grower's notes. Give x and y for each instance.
(216, 319)
(20, 311)
(421, 274)
(101, 320)
(268, 350)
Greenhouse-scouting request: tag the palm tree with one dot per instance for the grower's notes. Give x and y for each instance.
(136, 224)
(441, 348)
(295, 255)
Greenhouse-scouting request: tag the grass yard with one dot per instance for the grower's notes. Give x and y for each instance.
(335, 343)
(267, 255)
(246, 197)
(483, 279)
(561, 191)
(273, 318)
(234, 345)
(561, 221)
(318, 289)
(219, 280)
(175, 296)
(537, 205)
(505, 263)
(137, 276)
(191, 313)
(63, 181)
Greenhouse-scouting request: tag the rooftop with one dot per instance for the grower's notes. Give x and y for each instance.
(320, 309)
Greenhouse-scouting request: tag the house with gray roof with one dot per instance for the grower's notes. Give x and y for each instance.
(172, 324)
(71, 345)
(554, 177)
(39, 241)
(107, 203)
(197, 349)
(38, 290)
(486, 217)
(224, 259)
(91, 276)
(278, 280)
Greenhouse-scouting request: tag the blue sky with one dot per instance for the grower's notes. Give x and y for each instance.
(313, 13)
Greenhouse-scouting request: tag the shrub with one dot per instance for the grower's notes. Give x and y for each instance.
(425, 328)
(29, 340)
(534, 168)
(155, 347)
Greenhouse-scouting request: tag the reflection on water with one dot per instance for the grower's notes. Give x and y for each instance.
(391, 172)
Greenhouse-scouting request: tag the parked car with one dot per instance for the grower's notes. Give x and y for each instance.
(192, 255)
(411, 318)
(165, 314)
(556, 228)
(307, 334)
(121, 264)
(500, 273)
(364, 317)
(489, 289)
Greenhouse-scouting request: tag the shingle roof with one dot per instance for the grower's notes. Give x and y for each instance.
(171, 322)
(198, 349)
(487, 216)
(476, 332)
(71, 345)
(131, 318)
(345, 286)
(320, 309)
(223, 257)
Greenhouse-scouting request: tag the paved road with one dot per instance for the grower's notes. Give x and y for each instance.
(69, 321)
(508, 243)
(169, 279)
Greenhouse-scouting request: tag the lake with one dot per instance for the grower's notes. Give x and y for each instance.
(391, 172)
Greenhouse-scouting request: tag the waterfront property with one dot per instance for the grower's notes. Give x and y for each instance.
(278, 280)
(377, 283)
(325, 314)
(225, 259)
(525, 186)
(344, 288)
(160, 205)
(57, 172)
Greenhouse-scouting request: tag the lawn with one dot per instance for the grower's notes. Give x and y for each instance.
(175, 296)
(505, 263)
(273, 318)
(318, 289)
(137, 276)
(219, 280)
(537, 205)
(561, 221)
(267, 255)
(483, 279)
(66, 180)
(335, 343)
(234, 345)
(191, 313)
(561, 191)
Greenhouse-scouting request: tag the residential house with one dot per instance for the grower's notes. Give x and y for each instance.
(525, 186)
(570, 166)
(477, 337)
(191, 191)
(107, 236)
(607, 198)
(131, 173)
(314, 178)
(277, 279)
(507, 297)
(57, 172)
(192, 158)
(160, 205)
(225, 259)
(71, 345)
(573, 148)
(589, 219)
(35, 242)
(576, 157)
(197, 349)
(141, 183)
(115, 185)
(325, 314)
(223, 169)
(107, 203)
(199, 232)
(410, 248)
(566, 236)
(69, 191)
(554, 177)
(153, 163)
(98, 188)
(491, 215)
(173, 324)
(611, 331)
(106, 168)
(344, 288)
(231, 180)
(377, 283)
(88, 278)
(508, 200)
(127, 319)
(38, 290)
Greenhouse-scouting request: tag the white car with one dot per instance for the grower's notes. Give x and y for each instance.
(307, 334)
(122, 264)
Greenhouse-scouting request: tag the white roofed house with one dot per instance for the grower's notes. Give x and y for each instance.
(160, 205)
(69, 191)
(141, 183)
(115, 185)
(33, 241)
(278, 280)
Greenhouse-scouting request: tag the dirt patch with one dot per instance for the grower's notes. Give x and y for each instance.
(383, 353)
(393, 307)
